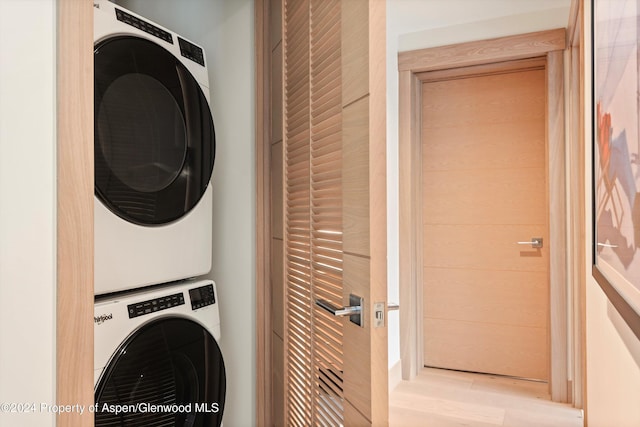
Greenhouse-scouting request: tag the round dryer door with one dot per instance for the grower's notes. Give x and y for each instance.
(154, 140)
(170, 372)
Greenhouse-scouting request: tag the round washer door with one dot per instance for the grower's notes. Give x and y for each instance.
(154, 139)
(170, 372)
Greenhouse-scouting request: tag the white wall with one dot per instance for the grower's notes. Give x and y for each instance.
(225, 29)
(27, 208)
(613, 351)
(417, 24)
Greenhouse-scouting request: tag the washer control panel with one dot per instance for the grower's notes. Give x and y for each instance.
(202, 297)
(153, 305)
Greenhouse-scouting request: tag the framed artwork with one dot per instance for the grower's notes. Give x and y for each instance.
(616, 153)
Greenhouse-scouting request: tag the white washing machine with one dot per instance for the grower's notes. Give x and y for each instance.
(157, 360)
(154, 153)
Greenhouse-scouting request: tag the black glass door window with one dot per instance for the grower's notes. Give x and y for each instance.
(154, 139)
(169, 373)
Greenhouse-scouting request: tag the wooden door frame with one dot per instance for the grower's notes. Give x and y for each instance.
(549, 45)
(264, 370)
(74, 140)
(575, 202)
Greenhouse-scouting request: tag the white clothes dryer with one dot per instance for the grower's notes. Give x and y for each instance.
(157, 360)
(154, 150)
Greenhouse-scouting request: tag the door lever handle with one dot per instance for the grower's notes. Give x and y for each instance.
(354, 311)
(606, 245)
(338, 311)
(535, 242)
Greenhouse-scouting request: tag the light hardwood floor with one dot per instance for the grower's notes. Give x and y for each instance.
(442, 398)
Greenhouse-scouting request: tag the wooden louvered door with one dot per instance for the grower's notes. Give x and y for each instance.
(334, 210)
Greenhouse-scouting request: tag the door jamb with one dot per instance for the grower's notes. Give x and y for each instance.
(74, 207)
(575, 202)
(264, 370)
(549, 44)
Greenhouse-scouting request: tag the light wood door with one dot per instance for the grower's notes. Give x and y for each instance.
(334, 210)
(486, 297)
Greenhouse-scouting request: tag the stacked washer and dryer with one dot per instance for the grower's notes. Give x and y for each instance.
(157, 360)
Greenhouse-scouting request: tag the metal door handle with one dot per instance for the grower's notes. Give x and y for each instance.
(392, 306)
(607, 245)
(338, 311)
(354, 311)
(535, 242)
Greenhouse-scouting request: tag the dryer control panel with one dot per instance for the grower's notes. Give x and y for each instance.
(145, 26)
(153, 305)
(191, 51)
(202, 296)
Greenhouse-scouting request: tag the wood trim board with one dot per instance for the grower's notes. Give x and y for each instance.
(581, 299)
(482, 52)
(557, 226)
(74, 325)
(573, 37)
(264, 369)
(576, 210)
(410, 248)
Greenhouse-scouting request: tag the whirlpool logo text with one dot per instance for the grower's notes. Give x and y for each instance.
(99, 320)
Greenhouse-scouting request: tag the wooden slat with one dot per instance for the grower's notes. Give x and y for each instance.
(329, 331)
(324, 11)
(324, 32)
(328, 55)
(326, 106)
(477, 52)
(313, 206)
(326, 199)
